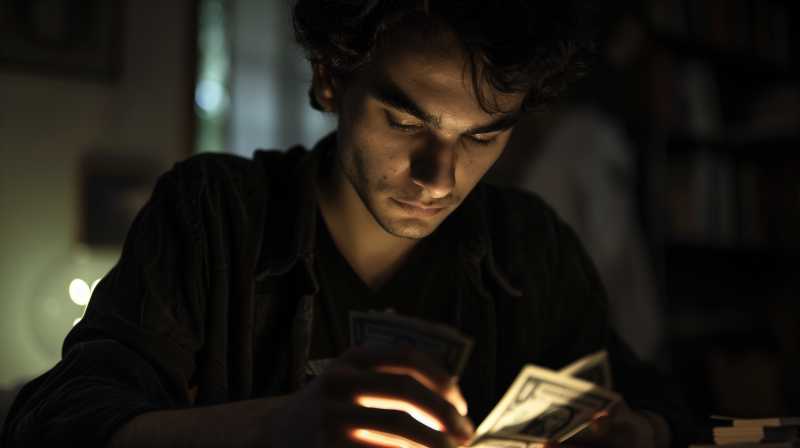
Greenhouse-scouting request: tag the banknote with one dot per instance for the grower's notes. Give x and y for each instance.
(446, 346)
(500, 443)
(594, 368)
(505, 443)
(542, 405)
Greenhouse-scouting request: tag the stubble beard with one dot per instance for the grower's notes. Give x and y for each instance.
(353, 165)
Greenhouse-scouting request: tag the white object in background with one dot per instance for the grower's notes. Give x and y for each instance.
(63, 292)
(586, 171)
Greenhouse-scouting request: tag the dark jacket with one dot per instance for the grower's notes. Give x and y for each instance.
(215, 289)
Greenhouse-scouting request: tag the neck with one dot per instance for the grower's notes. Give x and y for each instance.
(374, 254)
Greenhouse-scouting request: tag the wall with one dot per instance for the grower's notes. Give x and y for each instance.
(46, 124)
(270, 80)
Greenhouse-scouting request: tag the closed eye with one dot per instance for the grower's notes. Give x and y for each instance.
(404, 128)
(481, 142)
(411, 128)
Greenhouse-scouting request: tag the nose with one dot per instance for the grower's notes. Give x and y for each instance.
(434, 168)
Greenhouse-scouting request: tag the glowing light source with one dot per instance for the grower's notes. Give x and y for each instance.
(385, 439)
(95, 284)
(79, 292)
(211, 96)
(399, 405)
(76, 321)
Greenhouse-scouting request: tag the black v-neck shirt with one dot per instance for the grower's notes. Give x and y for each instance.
(423, 288)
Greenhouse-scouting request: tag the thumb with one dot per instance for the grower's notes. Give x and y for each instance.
(601, 422)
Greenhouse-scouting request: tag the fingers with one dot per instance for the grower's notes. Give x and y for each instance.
(383, 439)
(601, 423)
(371, 426)
(451, 392)
(408, 361)
(401, 392)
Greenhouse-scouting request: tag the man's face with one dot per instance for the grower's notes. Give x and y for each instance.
(413, 141)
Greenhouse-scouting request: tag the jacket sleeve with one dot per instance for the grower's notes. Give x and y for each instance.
(582, 327)
(644, 386)
(133, 351)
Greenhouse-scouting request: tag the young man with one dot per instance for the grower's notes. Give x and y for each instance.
(239, 274)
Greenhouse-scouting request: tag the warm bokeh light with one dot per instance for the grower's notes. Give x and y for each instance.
(95, 284)
(79, 292)
(399, 405)
(385, 439)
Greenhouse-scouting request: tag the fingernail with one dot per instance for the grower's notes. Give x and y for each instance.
(456, 399)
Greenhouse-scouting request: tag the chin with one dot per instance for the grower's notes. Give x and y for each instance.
(411, 228)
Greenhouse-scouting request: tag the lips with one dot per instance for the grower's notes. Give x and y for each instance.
(414, 210)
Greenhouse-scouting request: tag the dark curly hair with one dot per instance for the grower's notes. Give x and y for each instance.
(539, 47)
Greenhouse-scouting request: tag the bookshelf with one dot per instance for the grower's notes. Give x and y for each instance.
(717, 110)
(709, 94)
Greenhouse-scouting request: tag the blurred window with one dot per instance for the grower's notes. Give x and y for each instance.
(211, 96)
(252, 87)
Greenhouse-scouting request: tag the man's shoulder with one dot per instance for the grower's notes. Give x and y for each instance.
(211, 171)
(530, 242)
(524, 228)
(511, 213)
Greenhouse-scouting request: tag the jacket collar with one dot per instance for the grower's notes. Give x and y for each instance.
(291, 221)
(299, 210)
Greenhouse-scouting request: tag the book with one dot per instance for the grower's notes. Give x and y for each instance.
(750, 422)
(755, 434)
(753, 445)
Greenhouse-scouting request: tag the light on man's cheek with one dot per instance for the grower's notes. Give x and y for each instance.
(391, 440)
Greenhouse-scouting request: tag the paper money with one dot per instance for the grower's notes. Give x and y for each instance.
(444, 345)
(594, 368)
(500, 443)
(542, 405)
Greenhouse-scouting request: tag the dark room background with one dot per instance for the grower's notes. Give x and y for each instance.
(677, 161)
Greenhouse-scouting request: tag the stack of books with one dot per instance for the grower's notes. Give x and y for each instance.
(776, 432)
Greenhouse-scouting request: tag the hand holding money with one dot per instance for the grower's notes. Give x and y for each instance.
(541, 408)
(445, 346)
(335, 408)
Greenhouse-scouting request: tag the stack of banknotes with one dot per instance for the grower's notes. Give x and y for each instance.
(541, 405)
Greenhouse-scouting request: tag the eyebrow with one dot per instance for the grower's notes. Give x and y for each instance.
(503, 123)
(398, 100)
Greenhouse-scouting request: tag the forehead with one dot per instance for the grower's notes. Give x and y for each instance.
(432, 69)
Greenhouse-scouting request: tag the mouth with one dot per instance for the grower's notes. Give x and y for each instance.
(417, 210)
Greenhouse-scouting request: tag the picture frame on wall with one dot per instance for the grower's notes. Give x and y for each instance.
(65, 38)
(113, 191)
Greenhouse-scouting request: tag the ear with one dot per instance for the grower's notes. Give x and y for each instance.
(327, 89)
